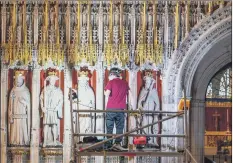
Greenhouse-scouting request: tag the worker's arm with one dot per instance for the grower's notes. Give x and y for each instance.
(107, 92)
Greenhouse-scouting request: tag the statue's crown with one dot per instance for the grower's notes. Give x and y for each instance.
(149, 73)
(83, 73)
(19, 73)
(50, 73)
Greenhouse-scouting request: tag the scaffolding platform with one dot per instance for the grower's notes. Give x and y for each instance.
(81, 150)
(133, 153)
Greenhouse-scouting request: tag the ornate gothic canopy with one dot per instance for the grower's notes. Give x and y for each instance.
(82, 33)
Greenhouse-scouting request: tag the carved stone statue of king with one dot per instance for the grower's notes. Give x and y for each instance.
(19, 112)
(51, 100)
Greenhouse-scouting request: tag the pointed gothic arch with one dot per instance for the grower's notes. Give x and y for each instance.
(203, 53)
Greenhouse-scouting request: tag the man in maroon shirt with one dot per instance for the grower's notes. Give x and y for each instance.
(116, 90)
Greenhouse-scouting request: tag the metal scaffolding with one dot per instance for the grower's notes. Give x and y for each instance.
(185, 153)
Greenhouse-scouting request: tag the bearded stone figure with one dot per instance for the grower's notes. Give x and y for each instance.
(86, 101)
(149, 101)
(19, 112)
(51, 101)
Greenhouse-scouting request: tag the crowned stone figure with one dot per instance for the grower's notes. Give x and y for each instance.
(51, 101)
(149, 101)
(86, 101)
(19, 112)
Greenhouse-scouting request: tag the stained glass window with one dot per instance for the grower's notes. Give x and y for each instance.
(220, 85)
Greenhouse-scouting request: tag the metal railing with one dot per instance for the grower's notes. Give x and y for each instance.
(168, 114)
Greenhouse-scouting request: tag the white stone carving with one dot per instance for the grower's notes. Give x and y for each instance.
(19, 112)
(35, 127)
(99, 99)
(192, 47)
(86, 101)
(51, 100)
(132, 98)
(148, 100)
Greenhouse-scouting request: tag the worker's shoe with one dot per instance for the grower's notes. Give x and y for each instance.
(107, 145)
(118, 147)
(152, 145)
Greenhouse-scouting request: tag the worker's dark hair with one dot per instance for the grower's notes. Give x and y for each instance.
(115, 71)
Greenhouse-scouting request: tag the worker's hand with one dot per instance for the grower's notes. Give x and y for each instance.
(137, 114)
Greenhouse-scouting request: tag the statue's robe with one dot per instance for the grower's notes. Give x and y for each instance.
(19, 112)
(86, 101)
(149, 101)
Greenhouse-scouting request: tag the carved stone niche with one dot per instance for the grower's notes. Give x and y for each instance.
(18, 154)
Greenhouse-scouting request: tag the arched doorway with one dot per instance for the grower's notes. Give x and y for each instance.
(218, 119)
(199, 57)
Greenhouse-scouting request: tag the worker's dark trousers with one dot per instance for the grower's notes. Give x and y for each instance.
(119, 120)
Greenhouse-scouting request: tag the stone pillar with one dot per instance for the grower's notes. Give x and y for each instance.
(100, 71)
(35, 129)
(3, 26)
(100, 105)
(4, 95)
(100, 100)
(187, 24)
(197, 115)
(169, 126)
(68, 24)
(133, 104)
(35, 24)
(67, 142)
(166, 35)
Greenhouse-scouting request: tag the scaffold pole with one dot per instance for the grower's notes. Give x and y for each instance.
(129, 132)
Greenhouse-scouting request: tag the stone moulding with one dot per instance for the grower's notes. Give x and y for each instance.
(188, 53)
(51, 151)
(19, 150)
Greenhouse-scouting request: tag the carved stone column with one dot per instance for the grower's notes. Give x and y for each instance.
(197, 122)
(166, 36)
(100, 82)
(187, 25)
(68, 24)
(67, 141)
(35, 24)
(100, 104)
(133, 104)
(3, 27)
(169, 126)
(4, 95)
(35, 130)
(100, 99)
